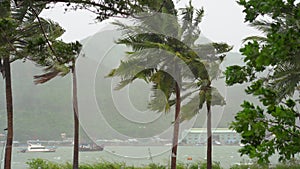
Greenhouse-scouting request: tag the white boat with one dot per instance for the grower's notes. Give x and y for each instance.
(215, 142)
(39, 148)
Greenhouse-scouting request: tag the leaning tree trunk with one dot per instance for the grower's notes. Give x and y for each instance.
(209, 135)
(76, 121)
(9, 109)
(176, 128)
(4, 13)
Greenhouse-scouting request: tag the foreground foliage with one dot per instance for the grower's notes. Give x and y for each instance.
(272, 69)
(45, 164)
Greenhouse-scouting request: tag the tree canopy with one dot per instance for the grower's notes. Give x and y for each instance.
(166, 55)
(272, 72)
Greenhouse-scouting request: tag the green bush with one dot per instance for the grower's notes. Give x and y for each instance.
(254, 166)
(292, 164)
(155, 166)
(45, 164)
(216, 165)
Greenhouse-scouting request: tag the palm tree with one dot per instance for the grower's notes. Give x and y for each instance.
(61, 66)
(18, 28)
(6, 72)
(76, 121)
(62, 56)
(211, 55)
(24, 37)
(53, 73)
(156, 70)
(9, 109)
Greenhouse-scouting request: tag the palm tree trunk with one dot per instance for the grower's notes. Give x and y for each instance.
(76, 121)
(209, 136)
(176, 128)
(9, 109)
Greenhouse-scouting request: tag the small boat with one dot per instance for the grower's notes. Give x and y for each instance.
(22, 150)
(39, 148)
(215, 142)
(90, 147)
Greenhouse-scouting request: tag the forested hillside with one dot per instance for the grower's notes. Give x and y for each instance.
(45, 111)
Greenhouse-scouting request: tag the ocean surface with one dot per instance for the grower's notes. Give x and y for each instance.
(132, 155)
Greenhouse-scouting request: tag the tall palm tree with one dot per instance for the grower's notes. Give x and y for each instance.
(39, 79)
(62, 56)
(211, 55)
(18, 28)
(76, 115)
(61, 66)
(9, 109)
(157, 69)
(6, 72)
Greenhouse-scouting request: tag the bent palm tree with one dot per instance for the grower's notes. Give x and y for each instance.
(157, 67)
(62, 56)
(62, 65)
(18, 28)
(211, 55)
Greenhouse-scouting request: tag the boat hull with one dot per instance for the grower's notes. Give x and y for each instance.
(89, 147)
(39, 148)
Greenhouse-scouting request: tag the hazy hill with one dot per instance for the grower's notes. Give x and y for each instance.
(45, 111)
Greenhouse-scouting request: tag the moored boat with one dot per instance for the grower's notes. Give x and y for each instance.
(39, 148)
(90, 147)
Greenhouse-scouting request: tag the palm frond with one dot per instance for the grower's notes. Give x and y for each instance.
(40, 79)
(187, 15)
(199, 16)
(155, 52)
(262, 25)
(221, 48)
(198, 69)
(217, 99)
(27, 11)
(128, 69)
(255, 38)
(159, 101)
(286, 79)
(193, 106)
(123, 83)
(51, 72)
(164, 82)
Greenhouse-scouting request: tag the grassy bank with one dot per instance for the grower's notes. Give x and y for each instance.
(45, 164)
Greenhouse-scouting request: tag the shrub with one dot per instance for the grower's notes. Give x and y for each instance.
(42, 164)
(45, 164)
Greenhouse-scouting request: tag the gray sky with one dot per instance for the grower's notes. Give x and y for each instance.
(223, 22)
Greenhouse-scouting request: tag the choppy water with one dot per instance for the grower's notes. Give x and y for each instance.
(134, 155)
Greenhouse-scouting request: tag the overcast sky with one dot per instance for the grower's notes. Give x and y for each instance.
(223, 22)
